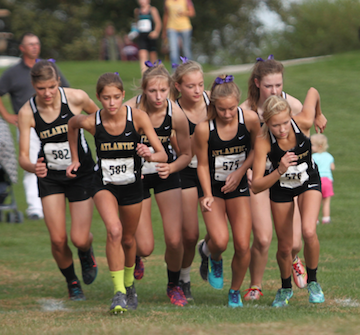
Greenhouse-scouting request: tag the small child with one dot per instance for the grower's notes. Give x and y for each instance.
(325, 163)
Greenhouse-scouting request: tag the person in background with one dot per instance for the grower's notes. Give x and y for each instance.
(325, 163)
(177, 25)
(130, 51)
(16, 81)
(111, 45)
(149, 27)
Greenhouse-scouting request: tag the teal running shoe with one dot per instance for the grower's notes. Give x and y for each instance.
(215, 274)
(316, 294)
(235, 299)
(282, 297)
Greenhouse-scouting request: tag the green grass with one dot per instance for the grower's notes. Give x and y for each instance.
(29, 276)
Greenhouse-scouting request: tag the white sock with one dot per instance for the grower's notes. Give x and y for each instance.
(185, 274)
(326, 219)
(205, 249)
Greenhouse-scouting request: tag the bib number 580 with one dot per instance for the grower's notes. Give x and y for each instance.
(117, 169)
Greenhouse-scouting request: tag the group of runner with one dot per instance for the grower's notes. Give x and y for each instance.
(188, 145)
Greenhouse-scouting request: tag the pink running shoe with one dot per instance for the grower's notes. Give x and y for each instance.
(253, 293)
(139, 268)
(299, 273)
(176, 295)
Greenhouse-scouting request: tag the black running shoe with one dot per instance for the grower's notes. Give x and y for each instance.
(204, 261)
(186, 289)
(75, 291)
(88, 265)
(131, 297)
(118, 304)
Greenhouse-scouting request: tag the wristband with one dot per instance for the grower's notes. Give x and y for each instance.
(279, 172)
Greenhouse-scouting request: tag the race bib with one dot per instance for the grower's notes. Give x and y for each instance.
(118, 171)
(57, 155)
(144, 26)
(295, 176)
(149, 167)
(224, 165)
(193, 163)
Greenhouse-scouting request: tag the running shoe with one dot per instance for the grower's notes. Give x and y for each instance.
(204, 261)
(176, 295)
(235, 299)
(75, 291)
(131, 297)
(253, 293)
(186, 289)
(282, 297)
(139, 268)
(118, 304)
(316, 294)
(299, 273)
(88, 265)
(215, 274)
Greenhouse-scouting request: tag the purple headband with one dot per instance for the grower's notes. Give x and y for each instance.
(156, 63)
(183, 59)
(51, 60)
(259, 59)
(228, 79)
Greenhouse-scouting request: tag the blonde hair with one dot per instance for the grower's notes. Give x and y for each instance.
(260, 70)
(273, 105)
(180, 72)
(158, 71)
(219, 91)
(109, 79)
(321, 141)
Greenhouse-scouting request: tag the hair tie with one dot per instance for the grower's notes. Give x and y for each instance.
(117, 73)
(259, 59)
(51, 60)
(156, 63)
(183, 59)
(228, 79)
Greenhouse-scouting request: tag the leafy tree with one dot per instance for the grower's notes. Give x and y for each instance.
(317, 27)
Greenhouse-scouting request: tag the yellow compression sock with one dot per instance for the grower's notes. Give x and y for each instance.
(118, 281)
(129, 276)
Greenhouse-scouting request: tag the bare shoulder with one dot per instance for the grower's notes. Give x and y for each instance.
(75, 96)
(250, 115)
(295, 104)
(245, 105)
(131, 102)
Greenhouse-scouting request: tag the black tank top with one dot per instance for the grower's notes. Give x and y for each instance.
(54, 142)
(295, 176)
(117, 160)
(191, 124)
(163, 132)
(227, 156)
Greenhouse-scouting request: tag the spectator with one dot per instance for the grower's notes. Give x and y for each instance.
(176, 23)
(17, 82)
(130, 51)
(149, 27)
(111, 45)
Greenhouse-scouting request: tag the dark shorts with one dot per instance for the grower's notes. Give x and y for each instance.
(283, 194)
(75, 189)
(241, 191)
(146, 43)
(190, 179)
(160, 185)
(125, 194)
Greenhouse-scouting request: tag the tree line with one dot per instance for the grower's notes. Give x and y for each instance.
(223, 31)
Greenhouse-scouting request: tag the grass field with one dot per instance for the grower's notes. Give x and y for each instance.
(33, 295)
